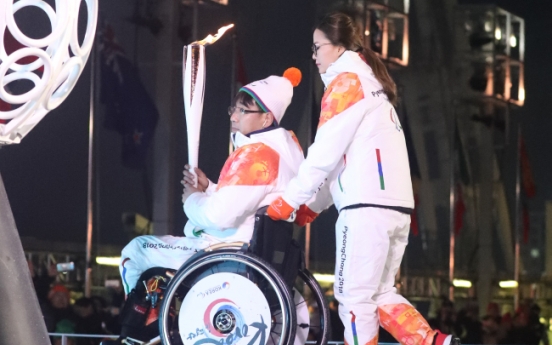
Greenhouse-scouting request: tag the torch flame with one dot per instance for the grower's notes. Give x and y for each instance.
(210, 39)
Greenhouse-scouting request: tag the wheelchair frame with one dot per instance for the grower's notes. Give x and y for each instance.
(239, 252)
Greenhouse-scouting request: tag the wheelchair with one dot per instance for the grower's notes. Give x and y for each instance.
(240, 294)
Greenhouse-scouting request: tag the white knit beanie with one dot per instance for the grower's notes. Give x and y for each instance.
(274, 93)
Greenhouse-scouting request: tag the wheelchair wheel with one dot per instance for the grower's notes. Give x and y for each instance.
(313, 318)
(227, 297)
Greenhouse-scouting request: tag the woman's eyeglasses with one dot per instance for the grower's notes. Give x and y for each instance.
(315, 48)
(232, 110)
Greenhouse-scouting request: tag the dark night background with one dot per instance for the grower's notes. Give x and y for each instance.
(46, 175)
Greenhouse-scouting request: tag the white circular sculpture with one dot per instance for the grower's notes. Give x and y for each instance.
(59, 69)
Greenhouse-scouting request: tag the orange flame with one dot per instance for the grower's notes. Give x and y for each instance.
(210, 39)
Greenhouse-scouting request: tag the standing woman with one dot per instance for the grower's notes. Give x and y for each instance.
(359, 162)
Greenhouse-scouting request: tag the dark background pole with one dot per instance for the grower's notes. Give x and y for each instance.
(21, 320)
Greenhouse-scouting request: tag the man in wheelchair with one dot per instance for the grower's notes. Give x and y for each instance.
(266, 157)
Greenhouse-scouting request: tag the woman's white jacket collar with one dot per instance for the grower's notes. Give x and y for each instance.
(349, 61)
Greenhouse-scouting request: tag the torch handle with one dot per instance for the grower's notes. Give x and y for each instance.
(192, 171)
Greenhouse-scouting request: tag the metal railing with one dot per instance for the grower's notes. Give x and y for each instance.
(66, 336)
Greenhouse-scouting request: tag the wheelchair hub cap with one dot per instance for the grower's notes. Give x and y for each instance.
(224, 309)
(224, 321)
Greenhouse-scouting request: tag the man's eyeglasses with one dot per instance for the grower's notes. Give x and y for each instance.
(315, 48)
(232, 110)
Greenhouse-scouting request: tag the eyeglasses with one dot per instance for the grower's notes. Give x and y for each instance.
(232, 110)
(315, 48)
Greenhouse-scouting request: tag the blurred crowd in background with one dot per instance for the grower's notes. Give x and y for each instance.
(69, 312)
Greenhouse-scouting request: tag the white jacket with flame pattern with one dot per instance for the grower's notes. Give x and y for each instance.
(254, 175)
(359, 148)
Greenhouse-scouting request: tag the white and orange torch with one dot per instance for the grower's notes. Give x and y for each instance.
(193, 68)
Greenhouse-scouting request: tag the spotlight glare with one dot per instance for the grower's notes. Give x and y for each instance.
(508, 284)
(498, 34)
(461, 283)
(108, 261)
(324, 278)
(513, 41)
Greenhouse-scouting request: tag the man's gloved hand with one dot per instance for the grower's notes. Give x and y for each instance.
(280, 210)
(305, 215)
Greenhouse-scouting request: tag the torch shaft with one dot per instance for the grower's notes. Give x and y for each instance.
(194, 89)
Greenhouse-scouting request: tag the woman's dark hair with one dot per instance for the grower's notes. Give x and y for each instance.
(341, 30)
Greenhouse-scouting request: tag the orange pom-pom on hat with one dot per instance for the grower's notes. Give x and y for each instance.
(294, 75)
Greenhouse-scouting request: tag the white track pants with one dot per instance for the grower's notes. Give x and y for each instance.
(370, 244)
(145, 252)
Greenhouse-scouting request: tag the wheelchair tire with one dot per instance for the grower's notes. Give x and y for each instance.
(320, 327)
(231, 261)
